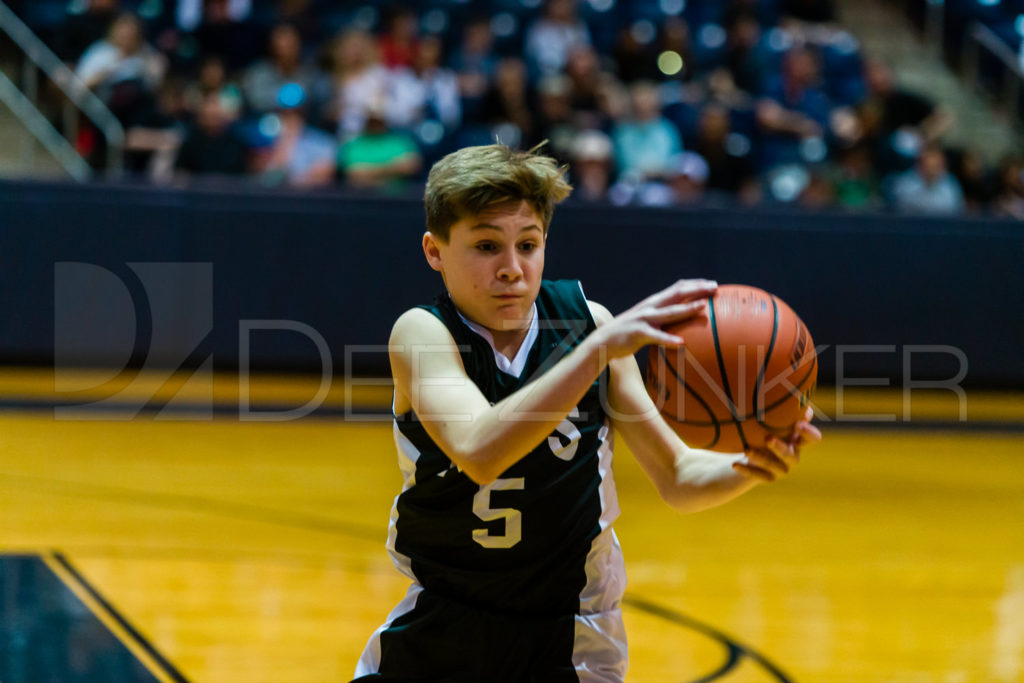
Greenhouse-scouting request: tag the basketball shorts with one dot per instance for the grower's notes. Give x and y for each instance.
(430, 638)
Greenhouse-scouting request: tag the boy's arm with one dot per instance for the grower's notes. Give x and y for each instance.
(485, 440)
(688, 479)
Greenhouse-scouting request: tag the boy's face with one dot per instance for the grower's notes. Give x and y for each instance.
(492, 264)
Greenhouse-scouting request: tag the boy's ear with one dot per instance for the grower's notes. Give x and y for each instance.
(432, 250)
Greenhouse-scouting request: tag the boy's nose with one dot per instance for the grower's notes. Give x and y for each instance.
(509, 269)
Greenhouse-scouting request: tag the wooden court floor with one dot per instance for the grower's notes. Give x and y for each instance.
(254, 551)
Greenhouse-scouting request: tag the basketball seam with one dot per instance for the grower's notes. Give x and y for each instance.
(724, 376)
(767, 357)
(714, 420)
(767, 409)
(814, 364)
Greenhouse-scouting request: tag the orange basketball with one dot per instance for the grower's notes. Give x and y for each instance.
(747, 370)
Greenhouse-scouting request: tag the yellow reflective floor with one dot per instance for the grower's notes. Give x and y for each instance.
(255, 551)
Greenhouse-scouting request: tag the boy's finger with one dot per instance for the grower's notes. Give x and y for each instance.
(664, 338)
(682, 290)
(767, 460)
(667, 314)
(806, 434)
(780, 448)
(755, 472)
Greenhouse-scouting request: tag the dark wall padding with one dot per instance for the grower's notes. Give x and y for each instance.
(346, 266)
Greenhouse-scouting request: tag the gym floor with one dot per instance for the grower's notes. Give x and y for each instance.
(155, 535)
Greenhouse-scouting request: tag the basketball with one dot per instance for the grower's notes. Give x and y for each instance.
(747, 370)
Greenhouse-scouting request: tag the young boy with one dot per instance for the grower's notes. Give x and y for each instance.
(507, 390)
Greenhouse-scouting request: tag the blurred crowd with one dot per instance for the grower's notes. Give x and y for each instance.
(650, 102)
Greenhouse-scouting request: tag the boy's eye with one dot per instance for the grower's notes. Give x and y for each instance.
(528, 246)
(485, 246)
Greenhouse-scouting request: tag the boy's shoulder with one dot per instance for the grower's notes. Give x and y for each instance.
(418, 325)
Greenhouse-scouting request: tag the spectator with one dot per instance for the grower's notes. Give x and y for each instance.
(793, 111)
(474, 63)
(856, 186)
(357, 79)
(210, 145)
(264, 79)
(507, 102)
(378, 156)
(151, 143)
(592, 166)
(1009, 200)
(928, 187)
(219, 27)
(550, 39)
(682, 182)
(687, 178)
(744, 57)
(399, 44)
(426, 90)
(84, 28)
(730, 167)
(897, 121)
(646, 143)
(213, 82)
(748, 112)
(719, 87)
(978, 184)
(587, 84)
(634, 60)
(299, 155)
(555, 122)
(820, 191)
(304, 15)
(124, 70)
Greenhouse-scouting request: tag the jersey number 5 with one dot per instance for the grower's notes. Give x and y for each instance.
(513, 518)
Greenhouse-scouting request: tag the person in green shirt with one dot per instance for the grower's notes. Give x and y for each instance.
(378, 156)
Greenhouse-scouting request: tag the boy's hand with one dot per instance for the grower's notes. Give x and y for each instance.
(778, 457)
(642, 324)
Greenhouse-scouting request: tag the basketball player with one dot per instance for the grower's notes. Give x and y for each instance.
(507, 392)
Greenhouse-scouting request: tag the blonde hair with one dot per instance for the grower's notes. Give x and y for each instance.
(472, 179)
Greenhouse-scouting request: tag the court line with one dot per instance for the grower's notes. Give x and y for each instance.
(209, 506)
(118, 625)
(736, 650)
(187, 553)
(375, 413)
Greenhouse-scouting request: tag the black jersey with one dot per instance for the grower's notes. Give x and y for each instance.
(519, 545)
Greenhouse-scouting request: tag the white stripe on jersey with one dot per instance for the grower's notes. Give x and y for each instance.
(369, 662)
(599, 648)
(408, 454)
(607, 492)
(599, 652)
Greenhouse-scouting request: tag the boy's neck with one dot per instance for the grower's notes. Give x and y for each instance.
(507, 343)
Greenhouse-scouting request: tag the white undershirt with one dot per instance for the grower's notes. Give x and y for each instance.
(515, 366)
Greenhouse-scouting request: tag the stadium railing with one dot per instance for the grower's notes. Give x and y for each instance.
(24, 101)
